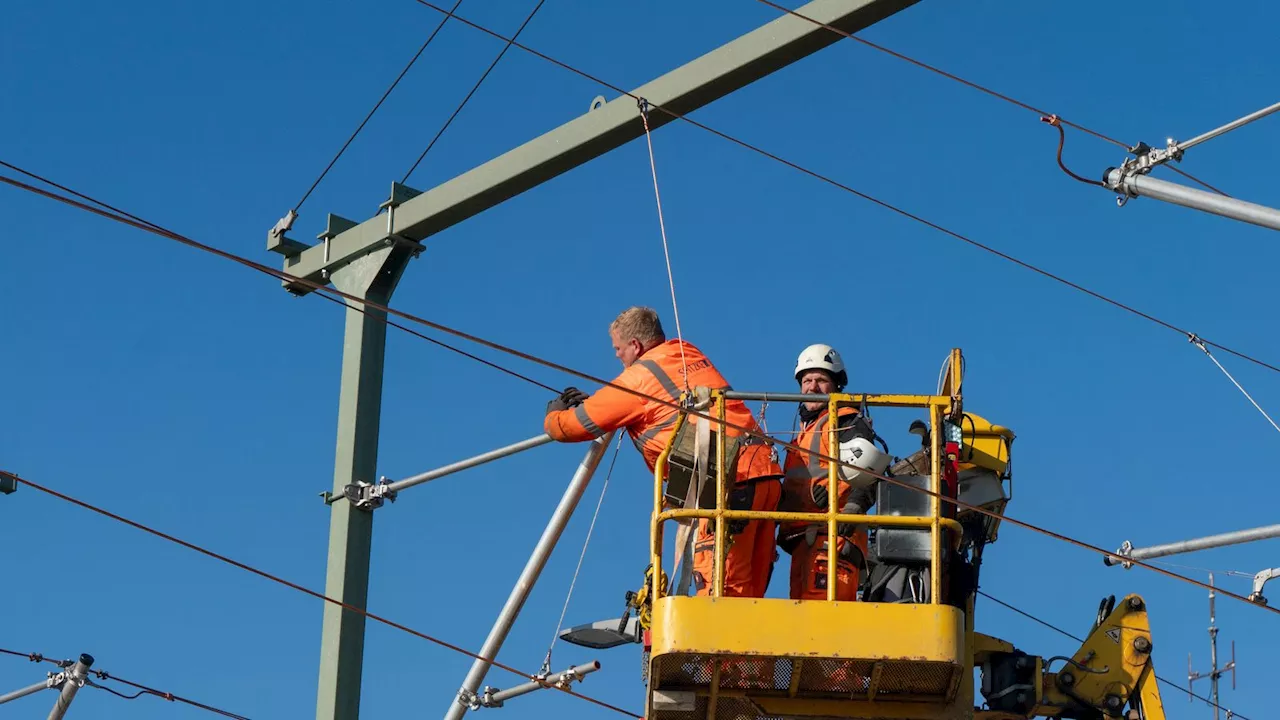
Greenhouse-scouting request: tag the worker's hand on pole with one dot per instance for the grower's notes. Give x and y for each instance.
(571, 397)
(847, 530)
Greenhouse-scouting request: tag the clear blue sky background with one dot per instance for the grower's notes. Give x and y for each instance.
(199, 398)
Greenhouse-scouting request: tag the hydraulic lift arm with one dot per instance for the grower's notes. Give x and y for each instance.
(1111, 676)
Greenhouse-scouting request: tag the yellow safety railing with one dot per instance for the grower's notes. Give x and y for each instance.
(938, 406)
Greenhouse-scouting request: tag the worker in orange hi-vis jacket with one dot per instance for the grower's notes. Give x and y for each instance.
(820, 371)
(659, 368)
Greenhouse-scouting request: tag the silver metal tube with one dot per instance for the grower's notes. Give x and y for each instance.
(481, 459)
(76, 677)
(529, 576)
(1204, 543)
(496, 699)
(1147, 186)
(42, 685)
(1228, 127)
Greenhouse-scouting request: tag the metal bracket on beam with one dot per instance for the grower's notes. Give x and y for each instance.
(335, 225)
(400, 194)
(277, 242)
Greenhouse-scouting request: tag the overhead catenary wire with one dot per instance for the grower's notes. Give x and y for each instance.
(373, 110)
(474, 88)
(144, 224)
(1200, 344)
(292, 585)
(368, 306)
(33, 657)
(976, 86)
(604, 488)
(1060, 631)
(142, 689)
(837, 184)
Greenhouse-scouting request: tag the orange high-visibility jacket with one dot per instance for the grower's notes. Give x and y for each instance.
(805, 469)
(657, 373)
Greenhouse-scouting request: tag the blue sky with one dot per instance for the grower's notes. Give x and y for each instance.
(199, 398)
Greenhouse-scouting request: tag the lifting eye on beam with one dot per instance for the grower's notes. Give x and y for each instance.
(494, 698)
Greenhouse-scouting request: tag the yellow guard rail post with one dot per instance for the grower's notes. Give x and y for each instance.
(938, 405)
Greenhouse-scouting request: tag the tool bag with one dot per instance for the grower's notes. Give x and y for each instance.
(683, 463)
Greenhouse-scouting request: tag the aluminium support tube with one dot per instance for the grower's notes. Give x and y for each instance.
(529, 576)
(481, 459)
(1131, 185)
(76, 677)
(498, 697)
(1229, 127)
(30, 690)
(1128, 552)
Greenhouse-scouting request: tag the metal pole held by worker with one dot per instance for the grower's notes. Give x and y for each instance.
(528, 577)
(471, 462)
(76, 678)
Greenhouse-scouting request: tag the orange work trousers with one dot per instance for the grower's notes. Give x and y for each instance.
(809, 571)
(748, 565)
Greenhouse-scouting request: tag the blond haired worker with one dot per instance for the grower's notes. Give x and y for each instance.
(657, 369)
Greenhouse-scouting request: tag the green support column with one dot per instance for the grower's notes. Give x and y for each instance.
(374, 278)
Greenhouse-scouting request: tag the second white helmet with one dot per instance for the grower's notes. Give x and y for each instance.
(822, 357)
(864, 455)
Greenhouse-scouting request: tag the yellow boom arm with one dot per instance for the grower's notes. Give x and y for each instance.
(1110, 676)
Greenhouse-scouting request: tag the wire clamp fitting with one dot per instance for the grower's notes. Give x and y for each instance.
(1145, 159)
(369, 496)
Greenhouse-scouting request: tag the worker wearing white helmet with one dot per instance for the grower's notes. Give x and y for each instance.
(821, 371)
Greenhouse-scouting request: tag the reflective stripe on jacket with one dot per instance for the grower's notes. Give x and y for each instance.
(807, 469)
(657, 373)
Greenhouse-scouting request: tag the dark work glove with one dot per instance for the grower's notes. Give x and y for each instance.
(820, 497)
(571, 397)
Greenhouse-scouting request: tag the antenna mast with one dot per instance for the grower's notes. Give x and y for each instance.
(1214, 673)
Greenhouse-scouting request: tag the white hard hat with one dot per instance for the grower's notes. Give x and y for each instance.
(822, 357)
(862, 453)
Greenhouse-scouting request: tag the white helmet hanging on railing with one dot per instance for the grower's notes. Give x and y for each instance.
(822, 357)
(862, 453)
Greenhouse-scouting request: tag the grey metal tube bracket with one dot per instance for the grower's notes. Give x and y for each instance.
(1259, 581)
(54, 680)
(1128, 553)
(371, 496)
(494, 698)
